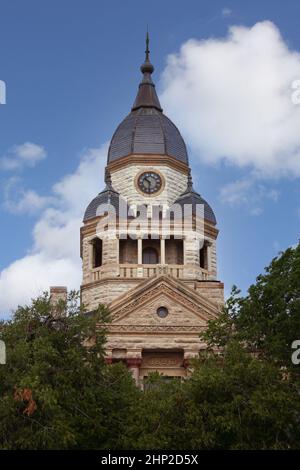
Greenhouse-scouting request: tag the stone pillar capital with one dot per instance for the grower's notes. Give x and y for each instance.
(186, 363)
(133, 361)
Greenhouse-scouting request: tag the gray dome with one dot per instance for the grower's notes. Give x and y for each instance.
(191, 197)
(147, 131)
(105, 200)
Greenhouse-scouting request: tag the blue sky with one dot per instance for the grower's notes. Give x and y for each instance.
(72, 68)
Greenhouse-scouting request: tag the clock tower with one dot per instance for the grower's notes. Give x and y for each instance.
(148, 245)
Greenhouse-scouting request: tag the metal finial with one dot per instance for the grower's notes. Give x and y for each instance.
(147, 67)
(190, 181)
(107, 178)
(147, 51)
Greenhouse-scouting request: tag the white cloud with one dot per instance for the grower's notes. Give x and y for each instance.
(27, 154)
(226, 12)
(18, 200)
(231, 98)
(236, 192)
(256, 211)
(248, 192)
(54, 257)
(30, 201)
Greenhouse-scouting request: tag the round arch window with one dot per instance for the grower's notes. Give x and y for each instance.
(162, 312)
(150, 256)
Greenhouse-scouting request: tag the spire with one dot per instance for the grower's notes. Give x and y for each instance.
(190, 182)
(108, 184)
(107, 179)
(108, 190)
(146, 96)
(189, 186)
(147, 46)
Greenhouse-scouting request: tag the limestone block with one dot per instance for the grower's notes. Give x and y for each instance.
(123, 181)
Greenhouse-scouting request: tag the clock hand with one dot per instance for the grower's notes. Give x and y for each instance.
(149, 182)
(152, 182)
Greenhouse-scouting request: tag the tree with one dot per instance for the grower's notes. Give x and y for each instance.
(244, 391)
(56, 392)
(241, 402)
(254, 394)
(158, 418)
(231, 401)
(267, 319)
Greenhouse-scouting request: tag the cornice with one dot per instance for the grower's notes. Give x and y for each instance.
(90, 227)
(148, 159)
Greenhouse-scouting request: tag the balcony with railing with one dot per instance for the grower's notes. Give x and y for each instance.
(146, 271)
(150, 270)
(146, 258)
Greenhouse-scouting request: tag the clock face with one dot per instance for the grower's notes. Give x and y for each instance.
(149, 182)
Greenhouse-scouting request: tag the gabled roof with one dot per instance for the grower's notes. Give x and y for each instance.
(146, 291)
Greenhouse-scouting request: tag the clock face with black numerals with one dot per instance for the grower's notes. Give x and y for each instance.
(149, 182)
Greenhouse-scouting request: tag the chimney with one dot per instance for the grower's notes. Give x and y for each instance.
(58, 299)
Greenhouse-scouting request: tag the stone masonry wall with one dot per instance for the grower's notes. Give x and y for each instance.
(123, 181)
(105, 292)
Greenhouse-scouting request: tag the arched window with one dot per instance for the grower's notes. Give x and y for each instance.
(150, 256)
(97, 253)
(203, 257)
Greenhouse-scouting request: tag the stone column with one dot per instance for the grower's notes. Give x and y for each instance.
(2, 352)
(186, 365)
(140, 251)
(162, 251)
(208, 254)
(118, 250)
(140, 269)
(91, 255)
(134, 363)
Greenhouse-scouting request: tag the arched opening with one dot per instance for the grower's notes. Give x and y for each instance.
(150, 255)
(174, 250)
(128, 251)
(203, 257)
(97, 253)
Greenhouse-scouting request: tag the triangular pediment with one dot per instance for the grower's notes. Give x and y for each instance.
(139, 303)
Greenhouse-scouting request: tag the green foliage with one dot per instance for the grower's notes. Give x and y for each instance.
(157, 421)
(231, 401)
(55, 392)
(269, 317)
(267, 320)
(241, 402)
(257, 381)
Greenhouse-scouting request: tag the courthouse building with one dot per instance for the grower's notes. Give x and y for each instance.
(148, 245)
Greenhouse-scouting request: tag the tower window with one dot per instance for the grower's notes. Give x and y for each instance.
(203, 257)
(128, 251)
(150, 255)
(174, 250)
(97, 253)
